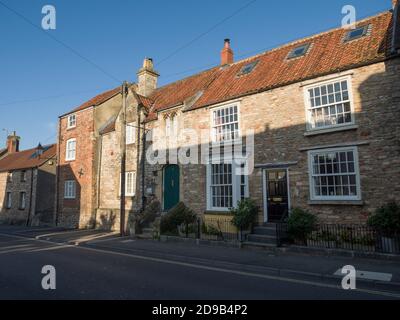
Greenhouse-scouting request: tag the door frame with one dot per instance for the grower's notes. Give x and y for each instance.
(163, 183)
(265, 189)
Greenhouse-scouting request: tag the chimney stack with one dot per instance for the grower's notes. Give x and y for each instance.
(226, 53)
(13, 143)
(147, 78)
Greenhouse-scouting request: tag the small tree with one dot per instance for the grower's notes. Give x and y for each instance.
(245, 214)
(301, 224)
(386, 219)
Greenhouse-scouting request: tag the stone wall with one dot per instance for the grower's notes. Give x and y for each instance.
(278, 118)
(16, 215)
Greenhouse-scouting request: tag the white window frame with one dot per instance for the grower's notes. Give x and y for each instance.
(130, 133)
(69, 189)
(71, 121)
(129, 192)
(22, 201)
(8, 200)
(213, 126)
(314, 197)
(67, 151)
(308, 107)
(236, 183)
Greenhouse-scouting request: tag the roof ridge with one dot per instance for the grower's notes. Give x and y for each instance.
(310, 37)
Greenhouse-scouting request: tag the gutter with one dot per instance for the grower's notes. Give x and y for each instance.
(395, 27)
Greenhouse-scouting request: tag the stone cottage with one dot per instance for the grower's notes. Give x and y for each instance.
(312, 124)
(27, 184)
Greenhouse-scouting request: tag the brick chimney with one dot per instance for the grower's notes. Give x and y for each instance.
(147, 78)
(13, 143)
(226, 53)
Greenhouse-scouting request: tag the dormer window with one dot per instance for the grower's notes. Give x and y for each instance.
(246, 69)
(71, 121)
(299, 51)
(357, 33)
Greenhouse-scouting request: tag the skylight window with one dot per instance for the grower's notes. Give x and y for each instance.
(299, 51)
(356, 33)
(247, 68)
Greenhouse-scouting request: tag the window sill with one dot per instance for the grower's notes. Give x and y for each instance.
(337, 202)
(71, 128)
(330, 130)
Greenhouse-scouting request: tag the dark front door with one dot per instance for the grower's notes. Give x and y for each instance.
(171, 186)
(277, 194)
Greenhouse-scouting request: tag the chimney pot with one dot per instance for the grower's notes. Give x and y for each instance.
(13, 143)
(226, 53)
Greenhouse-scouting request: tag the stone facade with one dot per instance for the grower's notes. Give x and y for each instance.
(278, 118)
(108, 207)
(39, 189)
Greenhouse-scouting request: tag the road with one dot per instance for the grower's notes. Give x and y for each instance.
(90, 273)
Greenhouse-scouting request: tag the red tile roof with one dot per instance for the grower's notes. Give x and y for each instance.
(97, 100)
(27, 159)
(328, 54)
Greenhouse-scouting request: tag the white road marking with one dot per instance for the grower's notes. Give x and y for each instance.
(217, 269)
(378, 276)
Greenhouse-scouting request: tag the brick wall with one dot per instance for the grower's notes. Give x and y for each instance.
(79, 211)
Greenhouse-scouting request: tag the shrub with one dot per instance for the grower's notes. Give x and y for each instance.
(211, 230)
(386, 219)
(301, 224)
(178, 215)
(244, 214)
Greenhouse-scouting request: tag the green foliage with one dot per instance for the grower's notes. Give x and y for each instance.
(211, 230)
(178, 215)
(301, 224)
(149, 214)
(244, 214)
(386, 219)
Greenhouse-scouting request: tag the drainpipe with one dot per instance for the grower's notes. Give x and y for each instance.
(143, 165)
(100, 151)
(30, 199)
(56, 206)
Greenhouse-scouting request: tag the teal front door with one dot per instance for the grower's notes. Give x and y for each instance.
(171, 186)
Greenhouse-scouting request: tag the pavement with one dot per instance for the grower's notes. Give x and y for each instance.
(94, 264)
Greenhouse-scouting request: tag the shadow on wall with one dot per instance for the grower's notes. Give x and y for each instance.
(377, 139)
(45, 196)
(68, 211)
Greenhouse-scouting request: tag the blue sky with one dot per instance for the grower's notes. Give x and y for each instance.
(40, 79)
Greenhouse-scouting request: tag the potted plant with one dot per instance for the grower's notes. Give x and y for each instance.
(386, 221)
(244, 215)
(301, 224)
